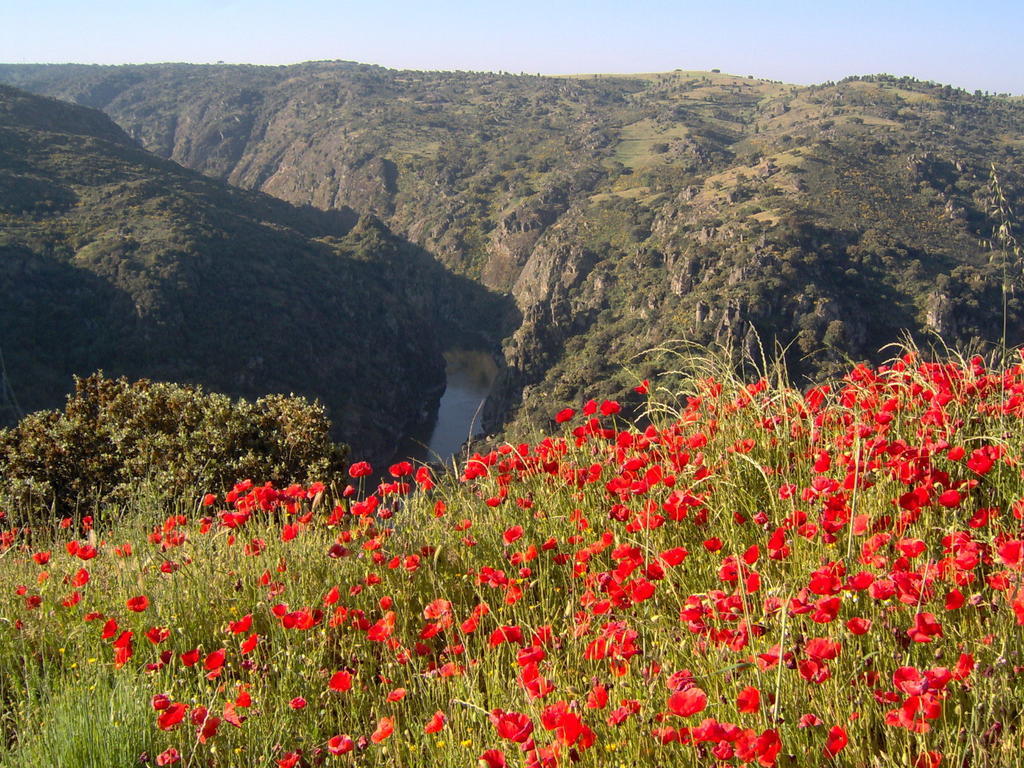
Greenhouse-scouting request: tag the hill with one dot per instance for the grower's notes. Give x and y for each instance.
(623, 211)
(114, 258)
(758, 577)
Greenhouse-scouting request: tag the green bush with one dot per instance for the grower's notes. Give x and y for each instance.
(115, 437)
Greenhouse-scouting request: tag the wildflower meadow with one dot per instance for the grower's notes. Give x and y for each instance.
(740, 573)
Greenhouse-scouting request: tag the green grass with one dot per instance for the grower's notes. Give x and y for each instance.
(568, 539)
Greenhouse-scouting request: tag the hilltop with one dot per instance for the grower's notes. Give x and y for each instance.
(619, 212)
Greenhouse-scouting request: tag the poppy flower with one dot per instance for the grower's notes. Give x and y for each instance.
(214, 660)
(926, 628)
(169, 756)
(598, 697)
(505, 634)
(171, 716)
(340, 681)
(249, 644)
(610, 407)
(360, 469)
(673, 556)
(157, 635)
(858, 625)
(835, 742)
(385, 727)
(208, 729)
(436, 723)
(929, 759)
(809, 720)
(688, 702)
(564, 415)
(230, 713)
(138, 604)
(340, 745)
(822, 648)
(493, 758)
(749, 700)
(513, 726)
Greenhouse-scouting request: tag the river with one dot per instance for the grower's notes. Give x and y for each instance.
(469, 374)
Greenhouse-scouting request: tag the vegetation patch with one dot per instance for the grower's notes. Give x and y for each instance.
(748, 575)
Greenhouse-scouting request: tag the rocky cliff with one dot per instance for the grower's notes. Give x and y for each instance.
(621, 212)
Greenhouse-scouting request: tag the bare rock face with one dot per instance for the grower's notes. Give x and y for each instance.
(512, 242)
(550, 276)
(940, 315)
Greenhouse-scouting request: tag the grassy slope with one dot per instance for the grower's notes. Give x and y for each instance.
(747, 526)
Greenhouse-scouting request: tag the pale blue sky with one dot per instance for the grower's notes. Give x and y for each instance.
(975, 45)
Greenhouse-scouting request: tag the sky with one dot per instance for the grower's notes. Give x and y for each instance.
(969, 44)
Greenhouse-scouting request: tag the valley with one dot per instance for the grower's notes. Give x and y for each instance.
(597, 217)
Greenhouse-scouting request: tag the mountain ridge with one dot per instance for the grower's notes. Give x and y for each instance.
(620, 212)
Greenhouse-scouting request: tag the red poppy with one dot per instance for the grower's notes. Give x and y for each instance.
(340, 745)
(230, 713)
(157, 635)
(688, 702)
(249, 644)
(360, 469)
(171, 716)
(926, 628)
(215, 661)
(401, 469)
(835, 742)
(809, 720)
(436, 723)
(514, 726)
(610, 407)
(749, 700)
(598, 697)
(929, 759)
(385, 727)
(493, 758)
(168, 757)
(340, 681)
(138, 604)
(505, 634)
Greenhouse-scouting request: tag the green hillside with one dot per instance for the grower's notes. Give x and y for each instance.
(619, 212)
(116, 259)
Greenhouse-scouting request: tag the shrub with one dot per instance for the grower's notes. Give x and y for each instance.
(115, 436)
